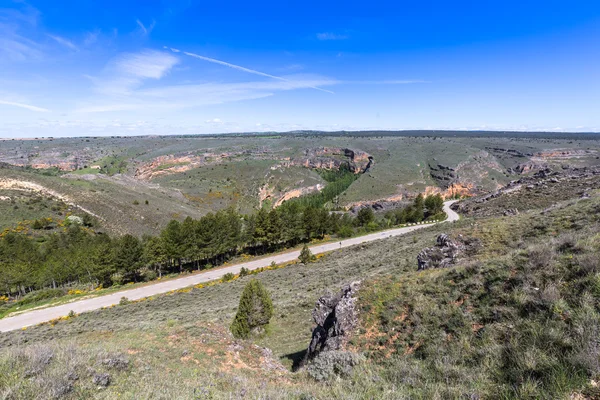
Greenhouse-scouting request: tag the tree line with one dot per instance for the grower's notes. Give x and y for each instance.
(77, 255)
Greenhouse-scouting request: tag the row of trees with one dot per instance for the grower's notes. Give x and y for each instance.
(78, 256)
(337, 182)
(423, 208)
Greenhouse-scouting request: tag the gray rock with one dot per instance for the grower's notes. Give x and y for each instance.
(336, 318)
(446, 252)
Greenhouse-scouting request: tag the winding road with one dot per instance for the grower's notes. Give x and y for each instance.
(35, 317)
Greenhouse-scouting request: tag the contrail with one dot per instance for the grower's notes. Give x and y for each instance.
(26, 106)
(250, 71)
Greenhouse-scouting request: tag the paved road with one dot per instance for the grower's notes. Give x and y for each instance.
(43, 315)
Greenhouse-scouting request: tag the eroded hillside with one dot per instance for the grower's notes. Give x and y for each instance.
(113, 178)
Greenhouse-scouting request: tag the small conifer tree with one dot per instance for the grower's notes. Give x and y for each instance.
(306, 255)
(254, 312)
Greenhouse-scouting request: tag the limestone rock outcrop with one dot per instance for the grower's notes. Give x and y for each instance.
(336, 318)
(442, 255)
(446, 252)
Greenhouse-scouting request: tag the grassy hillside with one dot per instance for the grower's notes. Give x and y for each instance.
(119, 202)
(517, 319)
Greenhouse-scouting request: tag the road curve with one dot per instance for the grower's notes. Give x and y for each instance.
(43, 315)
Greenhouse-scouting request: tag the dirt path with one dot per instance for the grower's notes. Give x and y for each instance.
(43, 315)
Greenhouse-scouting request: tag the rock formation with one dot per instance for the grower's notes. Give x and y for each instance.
(357, 161)
(443, 255)
(446, 252)
(555, 184)
(336, 317)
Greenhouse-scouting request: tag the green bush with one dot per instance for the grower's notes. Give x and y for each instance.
(306, 255)
(333, 363)
(254, 312)
(345, 232)
(40, 295)
(365, 216)
(149, 275)
(372, 226)
(228, 277)
(244, 272)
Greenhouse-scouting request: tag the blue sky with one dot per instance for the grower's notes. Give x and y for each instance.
(83, 67)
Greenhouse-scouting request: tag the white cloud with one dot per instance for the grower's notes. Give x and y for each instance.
(214, 121)
(331, 36)
(145, 30)
(128, 71)
(22, 105)
(64, 42)
(14, 23)
(147, 64)
(197, 95)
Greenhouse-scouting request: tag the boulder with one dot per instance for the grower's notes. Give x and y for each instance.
(446, 252)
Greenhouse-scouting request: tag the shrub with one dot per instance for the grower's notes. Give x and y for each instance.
(117, 278)
(124, 300)
(540, 257)
(244, 272)
(306, 255)
(228, 277)
(88, 220)
(345, 232)
(102, 380)
(254, 312)
(588, 264)
(150, 275)
(40, 295)
(372, 226)
(73, 220)
(365, 216)
(116, 361)
(327, 364)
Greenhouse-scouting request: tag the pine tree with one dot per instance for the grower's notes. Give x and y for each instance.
(365, 216)
(254, 312)
(306, 255)
(128, 256)
(419, 209)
